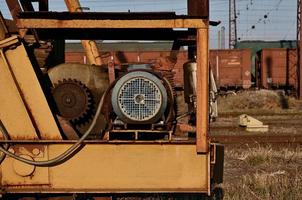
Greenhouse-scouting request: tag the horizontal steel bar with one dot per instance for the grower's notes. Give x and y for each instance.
(112, 191)
(117, 34)
(99, 142)
(223, 139)
(98, 23)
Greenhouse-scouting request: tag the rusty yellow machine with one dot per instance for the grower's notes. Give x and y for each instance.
(98, 129)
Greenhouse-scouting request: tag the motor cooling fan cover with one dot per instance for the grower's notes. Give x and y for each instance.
(139, 97)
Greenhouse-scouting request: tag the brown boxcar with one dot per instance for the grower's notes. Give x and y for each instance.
(119, 57)
(276, 68)
(231, 68)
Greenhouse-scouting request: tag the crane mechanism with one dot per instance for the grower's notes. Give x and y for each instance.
(101, 129)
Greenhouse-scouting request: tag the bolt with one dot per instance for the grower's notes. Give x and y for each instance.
(36, 151)
(68, 100)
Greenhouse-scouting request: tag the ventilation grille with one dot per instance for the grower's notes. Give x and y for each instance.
(139, 99)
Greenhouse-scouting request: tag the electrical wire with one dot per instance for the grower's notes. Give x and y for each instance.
(184, 115)
(61, 158)
(6, 137)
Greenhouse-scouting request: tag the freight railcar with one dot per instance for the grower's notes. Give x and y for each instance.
(276, 68)
(231, 68)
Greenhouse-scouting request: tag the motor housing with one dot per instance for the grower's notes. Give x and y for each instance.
(139, 97)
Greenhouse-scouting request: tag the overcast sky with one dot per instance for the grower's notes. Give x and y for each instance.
(256, 19)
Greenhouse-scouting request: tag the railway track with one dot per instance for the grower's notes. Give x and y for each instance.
(257, 139)
(262, 114)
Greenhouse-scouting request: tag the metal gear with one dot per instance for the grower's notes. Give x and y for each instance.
(74, 101)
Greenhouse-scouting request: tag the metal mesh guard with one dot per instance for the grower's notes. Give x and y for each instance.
(139, 99)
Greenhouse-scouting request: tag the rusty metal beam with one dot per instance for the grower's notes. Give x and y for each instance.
(27, 5)
(3, 28)
(117, 34)
(202, 118)
(90, 46)
(43, 5)
(104, 15)
(198, 8)
(73, 5)
(98, 23)
(14, 8)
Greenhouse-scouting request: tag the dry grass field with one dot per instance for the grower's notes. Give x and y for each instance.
(261, 172)
(266, 101)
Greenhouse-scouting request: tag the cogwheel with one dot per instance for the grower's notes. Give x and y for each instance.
(74, 101)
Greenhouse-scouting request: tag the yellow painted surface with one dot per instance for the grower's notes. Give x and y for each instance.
(19, 71)
(13, 113)
(167, 23)
(132, 168)
(202, 119)
(106, 168)
(12, 177)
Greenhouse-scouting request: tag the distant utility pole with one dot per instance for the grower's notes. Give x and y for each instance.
(223, 37)
(219, 40)
(299, 47)
(232, 24)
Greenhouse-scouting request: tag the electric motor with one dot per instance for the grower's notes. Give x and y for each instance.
(139, 97)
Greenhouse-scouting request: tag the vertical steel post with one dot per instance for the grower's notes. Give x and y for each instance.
(198, 8)
(223, 37)
(232, 24)
(43, 5)
(14, 8)
(219, 39)
(89, 46)
(202, 113)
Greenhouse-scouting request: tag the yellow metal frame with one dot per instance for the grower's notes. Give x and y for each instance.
(112, 168)
(24, 109)
(85, 23)
(98, 168)
(202, 27)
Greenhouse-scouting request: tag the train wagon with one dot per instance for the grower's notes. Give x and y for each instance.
(276, 68)
(231, 68)
(140, 56)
